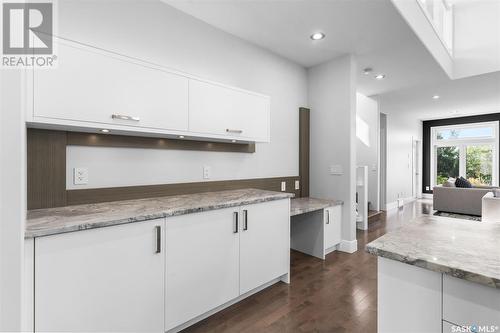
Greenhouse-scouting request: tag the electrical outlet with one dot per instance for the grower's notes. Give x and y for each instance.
(427, 188)
(283, 186)
(80, 176)
(206, 172)
(297, 185)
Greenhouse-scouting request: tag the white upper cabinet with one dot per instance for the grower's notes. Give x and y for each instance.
(92, 89)
(89, 85)
(234, 113)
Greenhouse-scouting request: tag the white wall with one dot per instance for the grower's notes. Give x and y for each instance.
(12, 200)
(158, 33)
(332, 99)
(367, 143)
(476, 37)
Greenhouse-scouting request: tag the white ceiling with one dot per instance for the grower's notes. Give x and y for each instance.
(373, 31)
(468, 96)
(370, 29)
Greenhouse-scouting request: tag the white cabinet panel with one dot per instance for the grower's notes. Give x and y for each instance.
(219, 110)
(101, 280)
(264, 248)
(467, 303)
(409, 298)
(90, 85)
(202, 264)
(333, 216)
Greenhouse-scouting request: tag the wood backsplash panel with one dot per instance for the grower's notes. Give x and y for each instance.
(47, 169)
(87, 196)
(46, 164)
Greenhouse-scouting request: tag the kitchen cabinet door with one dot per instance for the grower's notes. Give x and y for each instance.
(265, 243)
(227, 112)
(333, 221)
(101, 280)
(90, 87)
(202, 264)
(468, 303)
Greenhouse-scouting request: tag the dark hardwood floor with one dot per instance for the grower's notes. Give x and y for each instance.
(335, 295)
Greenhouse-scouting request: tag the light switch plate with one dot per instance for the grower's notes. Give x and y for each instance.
(283, 186)
(336, 169)
(206, 172)
(297, 185)
(80, 176)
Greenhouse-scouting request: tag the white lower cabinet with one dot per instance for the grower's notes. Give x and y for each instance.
(414, 299)
(264, 243)
(157, 275)
(202, 264)
(333, 220)
(470, 304)
(215, 257)
(101, 280)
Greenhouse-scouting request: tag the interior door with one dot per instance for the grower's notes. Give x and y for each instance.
(101, 280)
(202, 264)
(264, 249)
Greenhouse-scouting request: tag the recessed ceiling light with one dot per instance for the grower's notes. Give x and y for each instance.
(105, 130)
(181, 136)
(233, 141)
(435, 97)
(367, 70)
(317, 36)
(380, 76)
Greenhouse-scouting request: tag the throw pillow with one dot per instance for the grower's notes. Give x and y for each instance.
(462, 182)
(449, 183)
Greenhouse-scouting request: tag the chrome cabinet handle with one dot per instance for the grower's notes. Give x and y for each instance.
(235, 222)
(327, 217)
(228, 130)
(124, 117)
(245, 219)
(158, 239)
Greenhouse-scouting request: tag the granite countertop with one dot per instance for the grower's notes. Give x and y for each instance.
(467, 250)
(305, 205)
(44, 222)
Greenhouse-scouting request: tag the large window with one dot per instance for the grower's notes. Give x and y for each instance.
(469, 150)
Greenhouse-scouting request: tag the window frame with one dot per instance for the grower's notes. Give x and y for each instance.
(462, 144)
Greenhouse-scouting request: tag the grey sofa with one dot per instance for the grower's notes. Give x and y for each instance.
(459, 200)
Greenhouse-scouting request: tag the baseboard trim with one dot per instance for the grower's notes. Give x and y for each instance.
(348, 246)
(225, 305)
(427, 196)
(394, 204)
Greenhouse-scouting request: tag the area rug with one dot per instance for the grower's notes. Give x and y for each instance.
(458, 216)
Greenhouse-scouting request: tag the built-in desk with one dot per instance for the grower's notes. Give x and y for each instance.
(315, 226)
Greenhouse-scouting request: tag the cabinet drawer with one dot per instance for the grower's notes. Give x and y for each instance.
(90, 85)
(467, 303)
(235, 114)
